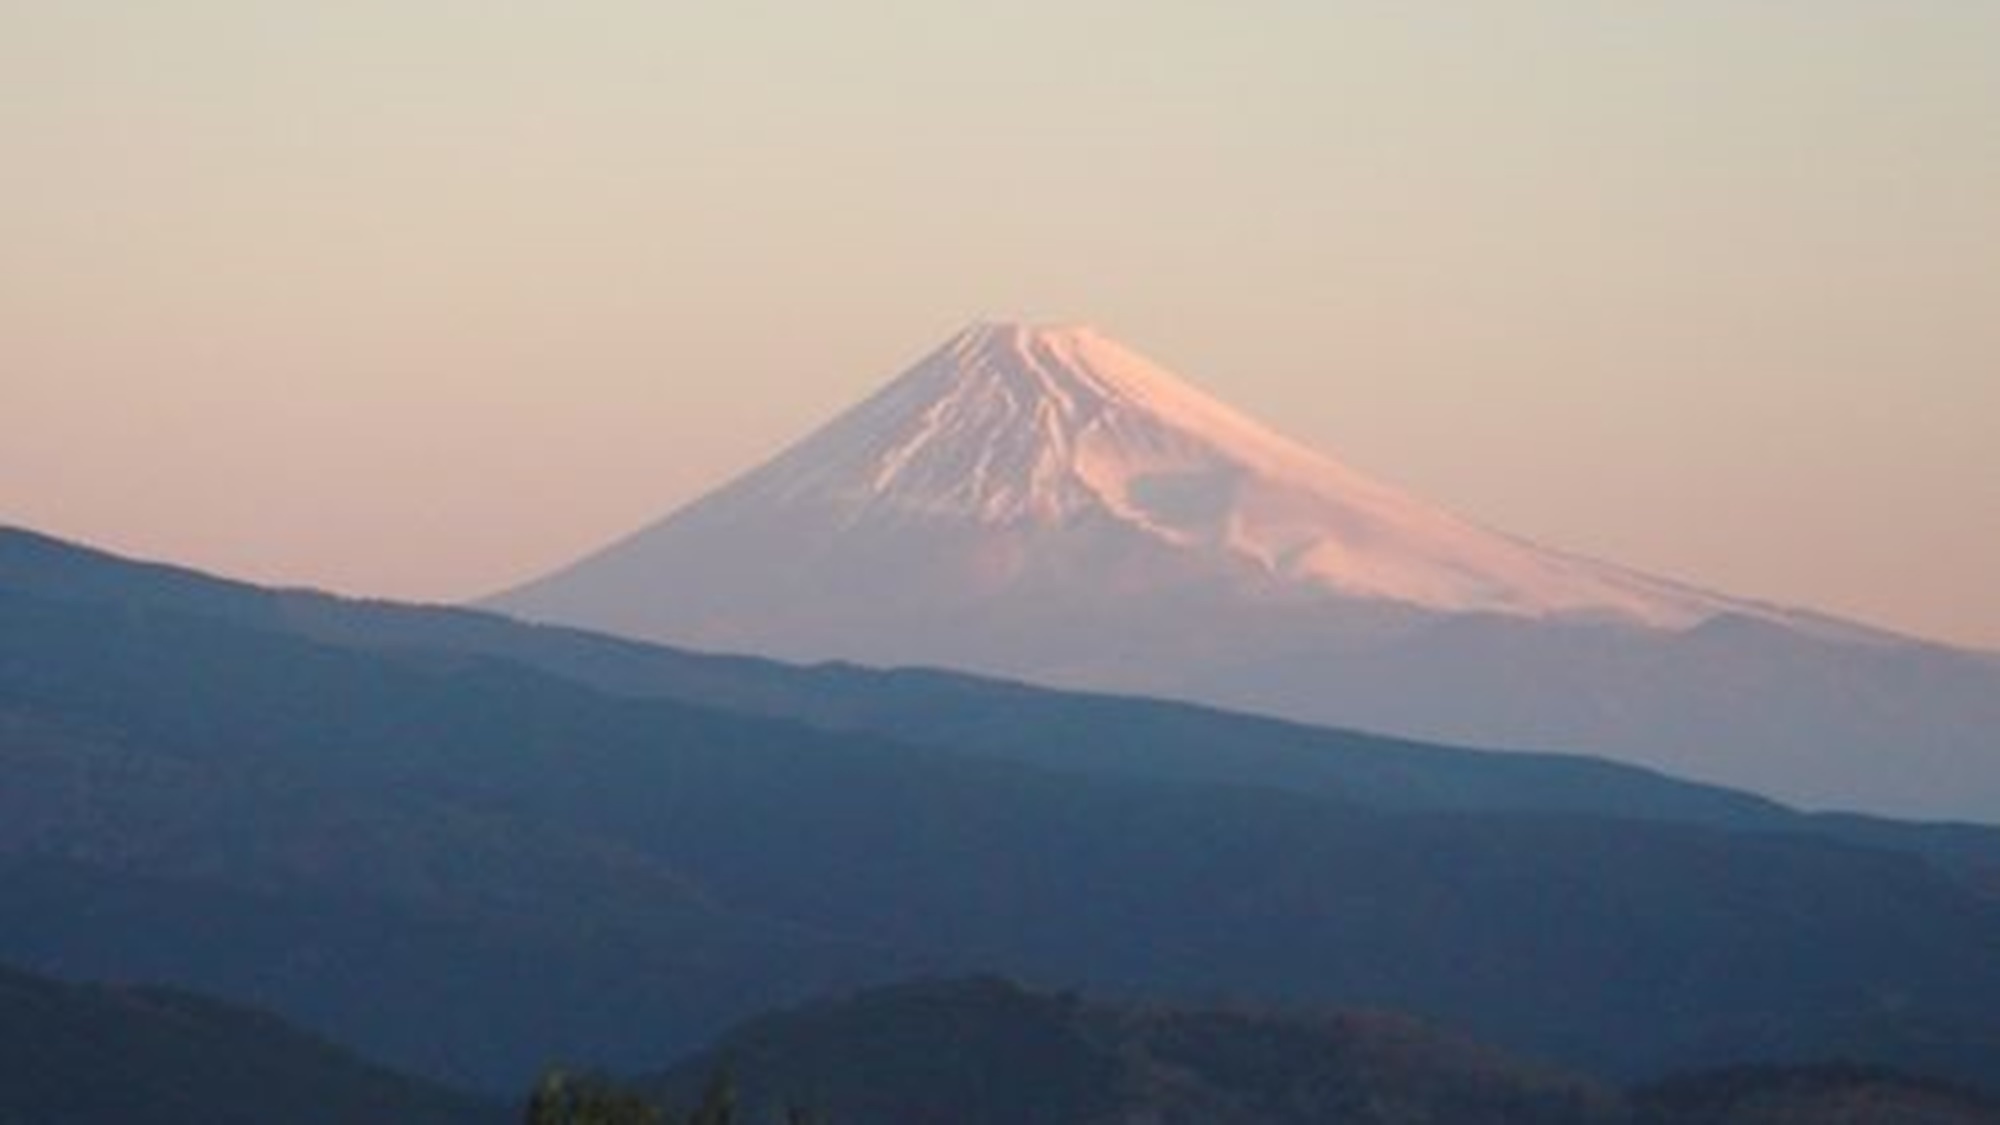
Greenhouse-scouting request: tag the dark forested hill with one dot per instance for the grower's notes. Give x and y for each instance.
(988, 1052)
(1820, 1094)
(984, 1051)
(88, 1054)
(413, 831)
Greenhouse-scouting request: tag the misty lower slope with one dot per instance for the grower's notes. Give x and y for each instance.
(469, 866)
(1888, 727)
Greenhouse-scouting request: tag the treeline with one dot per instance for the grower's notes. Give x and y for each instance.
(562, 1098)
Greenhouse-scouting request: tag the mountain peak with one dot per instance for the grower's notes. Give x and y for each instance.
(1010, 422)
(1018, 333)
(1057, 442)
(1072, 365)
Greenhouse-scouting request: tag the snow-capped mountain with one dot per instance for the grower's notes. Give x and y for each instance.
(1043, 502)
(1014, 427)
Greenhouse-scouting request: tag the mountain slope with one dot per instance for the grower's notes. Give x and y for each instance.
(90, 1054)
(1044, 503)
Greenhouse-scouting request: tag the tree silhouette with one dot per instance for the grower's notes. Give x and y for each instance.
(718, 1101)
(565, 1099)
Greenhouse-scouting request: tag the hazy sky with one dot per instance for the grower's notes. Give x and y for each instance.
(418, 298)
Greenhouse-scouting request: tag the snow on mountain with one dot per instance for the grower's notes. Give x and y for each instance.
(1009, 425)
(1044, 503)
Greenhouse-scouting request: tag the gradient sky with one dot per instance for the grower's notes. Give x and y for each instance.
(419, 298)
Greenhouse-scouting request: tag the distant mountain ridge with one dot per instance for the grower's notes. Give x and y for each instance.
(468, 846)
(954, 712)
(1044, 503)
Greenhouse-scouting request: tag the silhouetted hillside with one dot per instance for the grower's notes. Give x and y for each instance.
(87, 1054)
